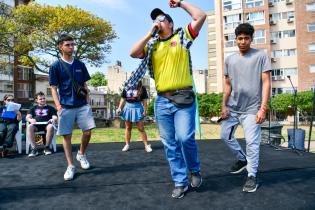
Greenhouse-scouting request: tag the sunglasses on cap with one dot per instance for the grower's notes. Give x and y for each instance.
(160, 18)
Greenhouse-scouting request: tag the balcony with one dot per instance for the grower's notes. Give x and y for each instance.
(290, 20)
(272, 22)
(270, 4)
(273, 41)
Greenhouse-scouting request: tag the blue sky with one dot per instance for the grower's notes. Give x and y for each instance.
(131, 21)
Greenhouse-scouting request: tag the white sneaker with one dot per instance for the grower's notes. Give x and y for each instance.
(83, 161)
(148, 148)
(69, 173)
(126, 148)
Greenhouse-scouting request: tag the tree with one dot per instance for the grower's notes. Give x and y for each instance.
(150, 109)
(98, 79)
(305, 102)
(209, 104)
(283, 103)
(35, 30)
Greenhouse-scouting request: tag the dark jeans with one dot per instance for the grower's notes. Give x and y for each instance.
(7, 133)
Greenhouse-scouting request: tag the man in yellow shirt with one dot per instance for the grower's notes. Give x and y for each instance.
(168, 59)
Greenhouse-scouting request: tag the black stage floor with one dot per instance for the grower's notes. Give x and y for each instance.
(137, 180)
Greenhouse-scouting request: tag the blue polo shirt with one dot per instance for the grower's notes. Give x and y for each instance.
(60, 78)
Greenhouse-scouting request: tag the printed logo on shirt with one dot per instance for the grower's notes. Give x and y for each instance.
(41, 112)
(78, 70)
(131, 95)
(173, 44)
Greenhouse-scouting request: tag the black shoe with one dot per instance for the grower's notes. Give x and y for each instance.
(47, 151)
(196, 180)
(238, 167)
(179, 191)
(250, 184)
(33, 153)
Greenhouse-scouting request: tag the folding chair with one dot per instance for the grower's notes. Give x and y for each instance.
(18, 138)
(53, 144)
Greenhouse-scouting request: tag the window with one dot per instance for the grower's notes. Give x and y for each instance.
(229, 40)
(259, 37)
(289, 33)
(256, 18)
(311, 27)
(289, 52)
(275, 1)
(48, 91)
(288, 90)
(276, 91)
(276, 35)
(23, 90)
(232, 21)
(254, 3)
(212, 42)
(290, 71)
(24, 73)
(277, 53)
(231, 4)
(311, 47)
(312, 68)
(277, 74)
(275, 17)
(310, 6)
(211, 33)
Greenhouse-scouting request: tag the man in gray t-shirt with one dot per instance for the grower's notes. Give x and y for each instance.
(246, 91)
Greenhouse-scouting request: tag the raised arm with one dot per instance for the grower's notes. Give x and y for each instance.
(137, 50)
(197, 14)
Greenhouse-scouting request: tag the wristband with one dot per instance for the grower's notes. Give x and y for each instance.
(263, 109)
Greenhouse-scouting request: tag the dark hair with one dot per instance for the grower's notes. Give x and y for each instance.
(64, 37)
(6, 96)
(244, 28)
(40, 93)
(139, 88)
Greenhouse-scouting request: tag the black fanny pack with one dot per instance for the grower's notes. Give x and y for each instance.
(181, 98)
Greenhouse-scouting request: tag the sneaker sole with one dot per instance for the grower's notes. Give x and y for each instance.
(69, 179)
(239, 171)
(250, 191)
(183, 194)
(198, 185)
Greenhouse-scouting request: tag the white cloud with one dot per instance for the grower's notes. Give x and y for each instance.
(113, 4)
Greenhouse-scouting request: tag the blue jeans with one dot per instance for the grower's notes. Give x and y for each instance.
(177, 131)
(7, 133)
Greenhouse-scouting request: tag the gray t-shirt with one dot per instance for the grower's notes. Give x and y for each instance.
(244, 73)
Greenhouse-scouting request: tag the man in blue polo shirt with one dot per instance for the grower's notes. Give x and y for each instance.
(71, 107)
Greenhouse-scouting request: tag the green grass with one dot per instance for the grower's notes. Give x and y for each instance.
(101, 135)
(209, 131)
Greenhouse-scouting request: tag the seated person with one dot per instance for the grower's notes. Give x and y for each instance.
(40, 113)
(9, 125)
